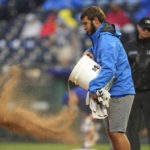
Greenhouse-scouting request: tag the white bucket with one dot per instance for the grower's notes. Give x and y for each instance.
(84, 71)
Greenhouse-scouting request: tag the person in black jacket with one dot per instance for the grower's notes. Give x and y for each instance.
(138, 51)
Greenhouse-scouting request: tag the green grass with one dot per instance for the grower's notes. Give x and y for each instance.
(51, 146)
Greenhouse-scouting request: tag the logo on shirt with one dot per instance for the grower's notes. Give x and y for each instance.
(133, 52)
(148, 52)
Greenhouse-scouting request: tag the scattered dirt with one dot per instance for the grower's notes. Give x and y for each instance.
(26, 121)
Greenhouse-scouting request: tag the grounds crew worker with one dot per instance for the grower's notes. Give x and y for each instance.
(138, 51)
(108, 51)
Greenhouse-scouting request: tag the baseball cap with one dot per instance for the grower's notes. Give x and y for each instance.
(145, 22)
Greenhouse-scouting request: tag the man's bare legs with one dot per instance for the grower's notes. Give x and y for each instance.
(118, 140)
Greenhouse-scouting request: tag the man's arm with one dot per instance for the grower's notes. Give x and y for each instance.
(89, 52)
(106, 53)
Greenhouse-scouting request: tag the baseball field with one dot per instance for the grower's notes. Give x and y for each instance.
(52, 146)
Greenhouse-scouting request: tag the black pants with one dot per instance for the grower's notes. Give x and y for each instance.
(140, 110)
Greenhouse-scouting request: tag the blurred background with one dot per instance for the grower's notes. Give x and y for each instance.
(46, 39)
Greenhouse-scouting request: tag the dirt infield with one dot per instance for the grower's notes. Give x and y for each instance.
(25, 121)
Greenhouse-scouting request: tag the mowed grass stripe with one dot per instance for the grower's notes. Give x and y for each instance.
(52, 146)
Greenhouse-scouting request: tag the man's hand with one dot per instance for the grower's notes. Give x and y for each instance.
(89, 54)
(94, 96)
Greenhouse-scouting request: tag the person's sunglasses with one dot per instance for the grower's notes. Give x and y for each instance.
(148, 29)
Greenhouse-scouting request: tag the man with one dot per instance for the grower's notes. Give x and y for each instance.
(108, 52)
(138, 51)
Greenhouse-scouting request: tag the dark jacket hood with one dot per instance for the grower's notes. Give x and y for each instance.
(107, 28)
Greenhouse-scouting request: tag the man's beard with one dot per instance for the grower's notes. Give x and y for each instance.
(93, 29)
